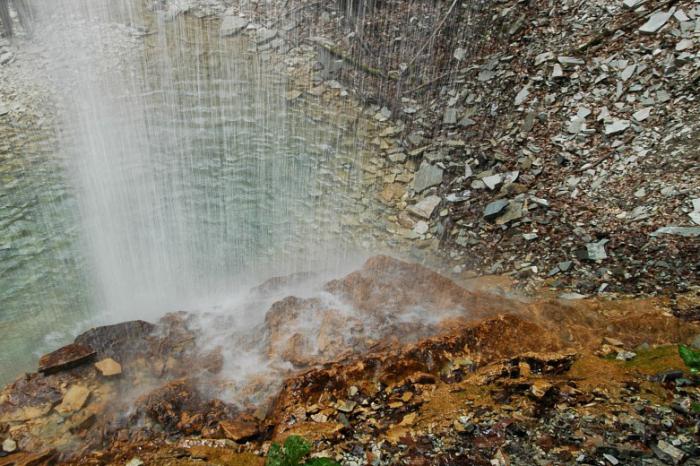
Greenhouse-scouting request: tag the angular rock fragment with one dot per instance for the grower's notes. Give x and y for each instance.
(655, 22)
(425, 207)
(108, 367)
(495, 208)
(74, 399)
(240, 430)
(64, 358)
(570, 61)
(427, 176)
(594, 251)
(616, 127)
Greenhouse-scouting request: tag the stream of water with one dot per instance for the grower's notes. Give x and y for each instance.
(180, 172)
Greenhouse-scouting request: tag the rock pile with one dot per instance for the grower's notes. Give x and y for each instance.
(564, 142)
(524, 384)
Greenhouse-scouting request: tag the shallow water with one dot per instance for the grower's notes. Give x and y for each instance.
(180, 173)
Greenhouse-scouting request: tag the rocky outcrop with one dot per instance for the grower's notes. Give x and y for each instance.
(374, 353)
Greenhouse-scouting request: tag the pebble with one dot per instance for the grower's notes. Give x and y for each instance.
(9, 445)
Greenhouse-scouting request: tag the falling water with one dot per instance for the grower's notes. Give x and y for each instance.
(187, 170)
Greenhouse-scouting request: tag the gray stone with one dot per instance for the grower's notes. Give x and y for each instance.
(628, 72)
(495, 208)
(459, 54)
(450, 117)
(565, 265)
(529, 122)
(4, 110)
(232, 25)
(426, 177)
(655, 22)
(522, 96)
(398, 157)
(486, 75)
(687, 232)
(425, 207)
(543, 57)
(631, 4)
(642, 114)
(421, 227)
(616, 127)
(625, 356)
(9, 445)
(514, 211)
(677, 455)
(684, 44)
(594, 251)
(557, 71)
(570, 61)
(466, 122)
(576, 125)
(492, 181)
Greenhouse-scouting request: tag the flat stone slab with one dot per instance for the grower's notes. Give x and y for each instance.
(495, 208)
(425, 207)
(656, 22)
(687, 232)
(427, 176)
(74, 399)
(64, 358)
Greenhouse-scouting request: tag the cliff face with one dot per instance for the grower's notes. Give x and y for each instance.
(390, 355)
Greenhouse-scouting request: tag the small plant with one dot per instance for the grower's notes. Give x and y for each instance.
(293, 452)
(690, 357)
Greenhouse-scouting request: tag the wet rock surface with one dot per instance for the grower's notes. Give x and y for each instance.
(483, 378)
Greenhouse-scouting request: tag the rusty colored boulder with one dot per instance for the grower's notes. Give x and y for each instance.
(67, 357)
(241, 429)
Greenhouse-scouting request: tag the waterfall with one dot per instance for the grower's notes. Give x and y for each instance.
(191, 171)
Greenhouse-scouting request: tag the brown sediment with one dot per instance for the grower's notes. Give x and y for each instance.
(499, 362)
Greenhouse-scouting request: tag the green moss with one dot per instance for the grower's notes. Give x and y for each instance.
(656, 360)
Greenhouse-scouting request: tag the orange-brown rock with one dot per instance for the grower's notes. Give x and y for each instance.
(67, 357)
(240, 429)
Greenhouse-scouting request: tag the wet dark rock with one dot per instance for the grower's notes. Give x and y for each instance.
(67, 357)
(118, 340)
(668, 376)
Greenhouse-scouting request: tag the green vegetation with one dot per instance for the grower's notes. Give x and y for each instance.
(292, 453)
(690, 357)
